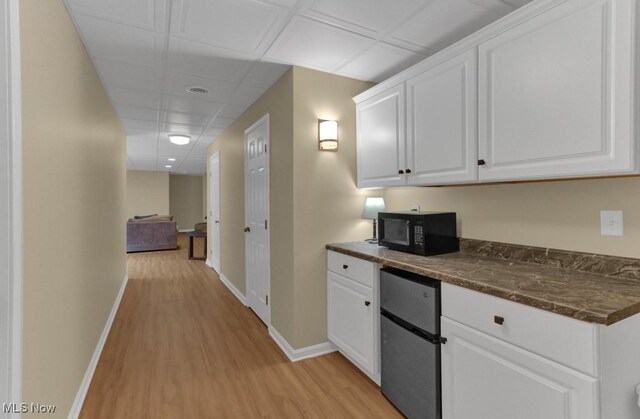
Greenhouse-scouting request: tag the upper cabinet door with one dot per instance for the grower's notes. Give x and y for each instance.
(442, 123)
(556, 94)
(381, 139)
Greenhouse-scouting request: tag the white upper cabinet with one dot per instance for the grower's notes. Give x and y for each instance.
(442, 123)
(556, 94)
(381, 139)
(546, 92)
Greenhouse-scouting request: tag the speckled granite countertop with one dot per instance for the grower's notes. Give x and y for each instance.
(507, 271)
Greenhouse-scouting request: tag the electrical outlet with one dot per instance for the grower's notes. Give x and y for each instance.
(415, 207)
(611, 223)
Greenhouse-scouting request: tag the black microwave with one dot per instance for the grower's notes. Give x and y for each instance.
(422, 233)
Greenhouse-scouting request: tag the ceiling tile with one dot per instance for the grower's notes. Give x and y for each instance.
(174, 128)
(246, 94)
(443, 22)
(142, 146)
(363, 16)
(231, 111)
(265, 74)
(368, 65)
(502, 7)
(186, 118)
(122, 43)
(240, 25)
(131, 97)
(313, 44)
(148, 14)
(190, 105)
(207, 61)
(221, 123)
(218, 90)
(211, 133)
(136, 126)
(133, 112)
(145, 164)
(126, 75)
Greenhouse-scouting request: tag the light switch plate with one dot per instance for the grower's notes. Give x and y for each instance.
(611, 223)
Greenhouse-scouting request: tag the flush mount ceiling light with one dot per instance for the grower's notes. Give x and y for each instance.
(179, 139)
(327, 135)
(171, 159)
(197, 90)
(168, 166)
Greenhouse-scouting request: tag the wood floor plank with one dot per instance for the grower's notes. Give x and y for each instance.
(183, 346)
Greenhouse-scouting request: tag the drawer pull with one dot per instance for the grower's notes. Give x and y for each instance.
(345, 266)
(498, 320)
(367, 303)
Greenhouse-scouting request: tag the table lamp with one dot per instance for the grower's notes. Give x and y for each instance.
(372, 207)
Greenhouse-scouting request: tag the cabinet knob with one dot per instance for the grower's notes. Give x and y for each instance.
(481, 162)
(401, 172)
(367, 303)
(247, 229)
(443, 340)
(408, 171)
(345, 266)
(498, 320)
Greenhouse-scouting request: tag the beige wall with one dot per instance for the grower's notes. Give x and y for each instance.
(313, 197)
(561, 215)
(147, 193)
(278, 103)
(327, 205)
(74, 205)
(185, 200)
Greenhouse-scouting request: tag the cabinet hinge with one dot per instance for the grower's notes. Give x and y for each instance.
(265, 224)
(265, 148)
(267, 298)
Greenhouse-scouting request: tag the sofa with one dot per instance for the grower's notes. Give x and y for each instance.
(154, 232)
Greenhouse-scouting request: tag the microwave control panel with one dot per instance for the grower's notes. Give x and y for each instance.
(418, 234)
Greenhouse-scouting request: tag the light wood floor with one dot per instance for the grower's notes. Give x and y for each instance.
(182, 346)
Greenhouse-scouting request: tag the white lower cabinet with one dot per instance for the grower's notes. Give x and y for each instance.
(484, 377)
(506, 360)
(353, 311)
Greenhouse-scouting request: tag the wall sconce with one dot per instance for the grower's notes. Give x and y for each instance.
(327, 135)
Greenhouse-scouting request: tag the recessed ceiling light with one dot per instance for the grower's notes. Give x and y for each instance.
(179, 139)
(168, 166)
(171, 159)
(197, 90)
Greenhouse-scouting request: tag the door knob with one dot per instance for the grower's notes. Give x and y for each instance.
(345, 266)
(401, 172)
(367, 303)
(408, 171)
(247, 229)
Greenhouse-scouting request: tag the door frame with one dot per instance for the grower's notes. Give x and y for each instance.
(11, 204)
(263, 119)
(219, 268)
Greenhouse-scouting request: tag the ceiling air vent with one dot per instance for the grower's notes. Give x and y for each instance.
(197, 90)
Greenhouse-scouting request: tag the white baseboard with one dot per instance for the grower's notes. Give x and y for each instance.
(86, 381)
(185, 230)
(303, 353)
(240, 296)
(208, 263)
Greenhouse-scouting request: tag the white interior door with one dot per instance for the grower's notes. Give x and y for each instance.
(256, 177)
(214, 212)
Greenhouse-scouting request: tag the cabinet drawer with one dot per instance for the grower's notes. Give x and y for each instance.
(562, 339)
(359, 270)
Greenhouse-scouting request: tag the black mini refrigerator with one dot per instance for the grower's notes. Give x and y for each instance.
(410, 342)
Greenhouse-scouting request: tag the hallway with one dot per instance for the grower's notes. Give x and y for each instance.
(182, 346)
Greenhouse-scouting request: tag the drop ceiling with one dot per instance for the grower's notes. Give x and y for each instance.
(148, 52)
